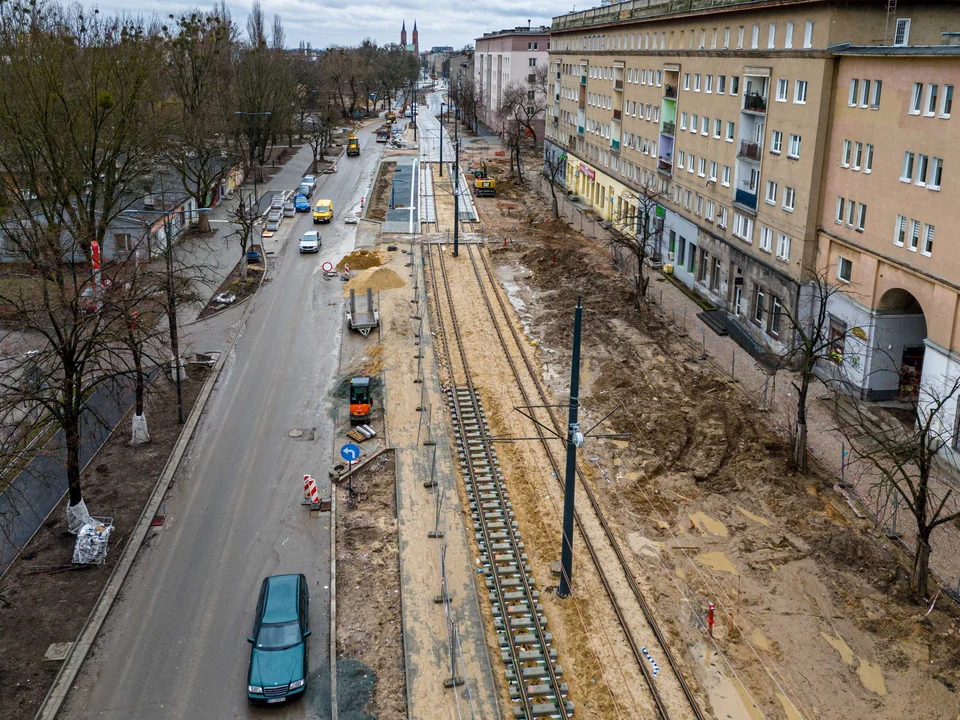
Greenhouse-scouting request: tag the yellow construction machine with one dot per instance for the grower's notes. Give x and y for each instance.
(483, 184)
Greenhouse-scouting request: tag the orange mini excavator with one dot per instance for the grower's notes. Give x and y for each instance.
(359, 400)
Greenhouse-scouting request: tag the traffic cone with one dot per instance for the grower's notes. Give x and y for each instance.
(307, 481)
(314, 493)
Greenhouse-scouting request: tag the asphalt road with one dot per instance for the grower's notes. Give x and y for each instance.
(175, 644)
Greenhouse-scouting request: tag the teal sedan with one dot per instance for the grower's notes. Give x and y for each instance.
(279, 661)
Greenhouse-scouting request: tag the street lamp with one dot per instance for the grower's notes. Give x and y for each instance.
(441, 138)
(171, 297)
(456, 180)
(254, 114)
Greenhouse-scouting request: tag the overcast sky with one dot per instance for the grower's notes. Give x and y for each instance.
(348, 22)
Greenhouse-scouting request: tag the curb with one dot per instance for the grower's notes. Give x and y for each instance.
(334, 707)
(63, 681)
(231, 307)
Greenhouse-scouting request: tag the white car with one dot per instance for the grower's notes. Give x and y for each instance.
(310, 242)
(310, 180)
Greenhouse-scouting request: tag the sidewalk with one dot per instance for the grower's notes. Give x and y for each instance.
(775, 393)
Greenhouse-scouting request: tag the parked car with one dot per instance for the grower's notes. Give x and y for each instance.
(310, 180)
(288, 209)
(323, 211)
(274, 218)
(301, 204)
(279, 661)
(310, 242)
(305, 190)
(276, 201)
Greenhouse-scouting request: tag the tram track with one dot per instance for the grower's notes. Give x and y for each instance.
(637, 648)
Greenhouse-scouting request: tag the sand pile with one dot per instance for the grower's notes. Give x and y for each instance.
(378, 279)
(361, 260)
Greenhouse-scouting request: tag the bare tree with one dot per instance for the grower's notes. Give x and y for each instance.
(908, 461)
(244, 217)
(554, 168)
(522, 104)
(639, 232)
(815, 345)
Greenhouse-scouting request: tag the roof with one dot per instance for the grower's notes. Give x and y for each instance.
(540, 30)
(281, 603)
(896, 51)
(360, 382)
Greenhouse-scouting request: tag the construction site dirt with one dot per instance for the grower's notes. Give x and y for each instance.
(368, 596)
(812, 608)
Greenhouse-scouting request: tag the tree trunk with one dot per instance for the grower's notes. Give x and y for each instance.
(140, 435)
(203, 224)
(921, 565)
(243, 266)
(800, 431)
(71, 433)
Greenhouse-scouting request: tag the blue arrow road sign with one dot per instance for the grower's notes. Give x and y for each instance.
(350, 452)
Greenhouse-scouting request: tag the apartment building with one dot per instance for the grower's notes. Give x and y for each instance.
(724, 111)
(505, 58)
(887, 216)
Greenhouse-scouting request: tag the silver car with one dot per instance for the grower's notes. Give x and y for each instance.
(274, 218)
(288, 209)
(310, 242)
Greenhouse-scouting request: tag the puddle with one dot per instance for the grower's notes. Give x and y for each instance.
(840, 645)
(871, 676)
(756, 518)
(789, 710)
(717, 561)
(758, 639)
(727, 697)
(643, 545)
(707, 525)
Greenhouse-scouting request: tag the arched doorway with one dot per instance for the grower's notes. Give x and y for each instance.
(902, 329)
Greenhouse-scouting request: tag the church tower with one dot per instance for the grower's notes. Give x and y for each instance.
(403, 35)
(416, 39)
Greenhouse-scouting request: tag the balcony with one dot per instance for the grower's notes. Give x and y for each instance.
(579, 129)
(755, 103)
(618, 85)
(750, 151)
(669, 128)
(665, 165)
(618, 115)
(670, 92)
(615, 146)
(747, 199)
(571, 142)
(583, 80)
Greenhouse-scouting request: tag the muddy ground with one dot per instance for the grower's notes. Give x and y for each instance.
(813, 610)
(380, 197)
(45, 599)
(369, 628)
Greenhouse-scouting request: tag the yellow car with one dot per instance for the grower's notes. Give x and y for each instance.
(323, 211)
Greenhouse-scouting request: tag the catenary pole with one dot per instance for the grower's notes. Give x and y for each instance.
(574, 440)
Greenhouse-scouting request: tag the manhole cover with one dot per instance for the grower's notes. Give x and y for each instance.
(305, 434)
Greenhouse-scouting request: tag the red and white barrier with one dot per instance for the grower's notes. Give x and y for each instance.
(311, 495)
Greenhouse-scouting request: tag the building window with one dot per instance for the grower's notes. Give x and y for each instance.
(699, 207)
(868, 160)
(800, 92)
(726, 38)
(755, 38)
(683, 121)
(776, 310)
(858, 156)
(533, 62)
(722, 217)
(705, 126)
(702, 167)
(902, 34)
(709, 211)
(696, 82)
(730, 131)
(932, 92)
(900, 231)
(772, 36)
(808, 34)
(916, 98)
(854, 92)
(845, 158)
(861, 216)
(759, 298)
(776, 142)
(722, 84)
(123, 243)
(844, 269)
(841, 203)
(743, 227)
(704, 265)
(946, 105)
(686, 81)
(771, 193)
(914, 235)
(927, 240)
(694, 123)
(936, 173)
(838, 332)
(794, 151)
(726, 176)
(766, 239)
(783, 247)
(788, 40)
(659, 78)
(906, 174)
(923, 163)
(717, 128)
(713, 170)
(851, 212)
(734, 84)
(782, 86)
(865, 94)
(740, 37)
(789, 195)
(875, 97)
(708, 84)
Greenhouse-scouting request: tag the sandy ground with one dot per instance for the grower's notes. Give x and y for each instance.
(813, 616)
(368, 585)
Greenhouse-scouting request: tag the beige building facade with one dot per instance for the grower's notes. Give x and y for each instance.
(729, 113)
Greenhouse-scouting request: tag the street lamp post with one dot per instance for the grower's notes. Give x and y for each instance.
(456, 181)
(441, 138)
